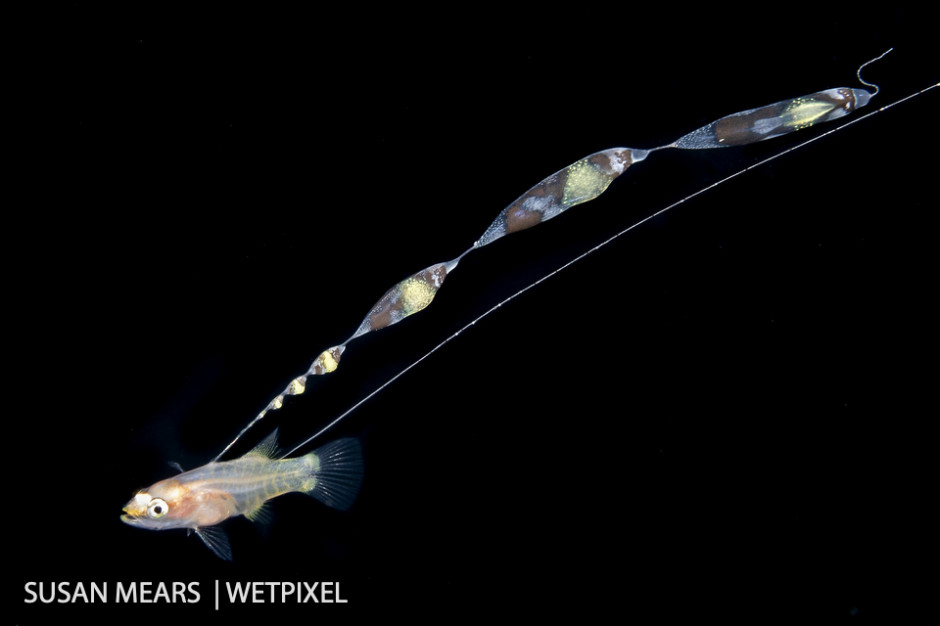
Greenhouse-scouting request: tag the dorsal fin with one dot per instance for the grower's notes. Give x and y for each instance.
(267, 448)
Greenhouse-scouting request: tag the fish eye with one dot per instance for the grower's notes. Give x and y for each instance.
(157, 508)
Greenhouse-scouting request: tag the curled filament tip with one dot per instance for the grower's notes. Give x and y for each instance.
(858, 72)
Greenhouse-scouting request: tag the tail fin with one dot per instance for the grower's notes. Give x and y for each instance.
(337, 473)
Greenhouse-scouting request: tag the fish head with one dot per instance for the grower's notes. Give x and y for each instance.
(163, 505)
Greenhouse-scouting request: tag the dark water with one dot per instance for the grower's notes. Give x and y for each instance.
(717, 415)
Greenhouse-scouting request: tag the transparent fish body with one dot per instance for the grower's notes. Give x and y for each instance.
(201, 498)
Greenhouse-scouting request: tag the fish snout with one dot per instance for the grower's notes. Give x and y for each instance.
(137, 507)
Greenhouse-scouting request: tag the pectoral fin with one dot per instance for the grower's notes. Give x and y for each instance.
(217, 541)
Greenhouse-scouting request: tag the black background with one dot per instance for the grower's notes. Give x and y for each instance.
(717, 415)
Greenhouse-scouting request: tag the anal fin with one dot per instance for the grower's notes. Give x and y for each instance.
(261, 514)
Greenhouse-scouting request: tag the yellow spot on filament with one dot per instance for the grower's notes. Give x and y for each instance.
(415, 295)
(297, 386)
(585, 182)
(327, 362)
(803, 113)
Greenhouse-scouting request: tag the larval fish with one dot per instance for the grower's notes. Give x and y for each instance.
(199, 499)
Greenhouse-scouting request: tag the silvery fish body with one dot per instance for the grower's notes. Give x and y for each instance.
(199, 499)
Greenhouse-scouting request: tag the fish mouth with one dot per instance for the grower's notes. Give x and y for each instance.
(142, 521)
(133, 520)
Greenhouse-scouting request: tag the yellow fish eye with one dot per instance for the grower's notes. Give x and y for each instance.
(157, 508)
